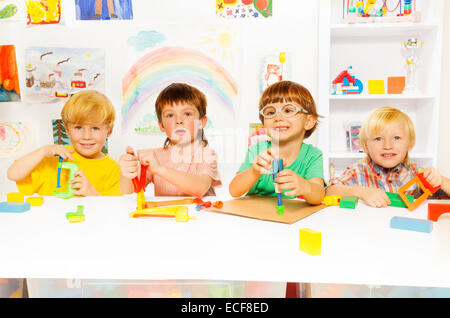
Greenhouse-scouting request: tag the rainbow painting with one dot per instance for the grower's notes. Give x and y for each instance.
(161, 67)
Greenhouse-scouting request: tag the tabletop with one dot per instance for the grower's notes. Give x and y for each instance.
(358, 246)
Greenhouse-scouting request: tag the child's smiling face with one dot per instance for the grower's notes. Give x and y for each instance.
(389, 147)
(88, 139)
(181, 122)
(283, 128)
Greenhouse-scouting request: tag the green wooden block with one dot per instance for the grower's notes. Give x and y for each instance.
(348, 202)
(397, 201)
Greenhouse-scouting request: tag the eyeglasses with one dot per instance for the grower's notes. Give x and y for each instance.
(286, 111)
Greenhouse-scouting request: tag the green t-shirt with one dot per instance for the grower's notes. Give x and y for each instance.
(308, 165)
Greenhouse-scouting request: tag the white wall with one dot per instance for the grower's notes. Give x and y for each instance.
(444, 127)
(293, 29)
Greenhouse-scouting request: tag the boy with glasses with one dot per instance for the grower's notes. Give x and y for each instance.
(288, 113)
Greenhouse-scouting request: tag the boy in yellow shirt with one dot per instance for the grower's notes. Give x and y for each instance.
(88, 117)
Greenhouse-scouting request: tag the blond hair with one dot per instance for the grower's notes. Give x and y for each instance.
(379, 119)
(287, 91)
(88, 106)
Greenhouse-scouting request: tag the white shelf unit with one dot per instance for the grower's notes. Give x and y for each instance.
(374, 52)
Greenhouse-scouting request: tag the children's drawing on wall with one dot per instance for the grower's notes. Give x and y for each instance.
(104, 9)
(237, 9)
(60, 136)
(53, 74)
(15, 137)
(9, 80)
(43, 12)
(199, 56)
(273, 68)
(8, 10)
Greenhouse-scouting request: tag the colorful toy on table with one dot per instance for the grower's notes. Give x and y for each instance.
(397, 201)
(410, 224)
(72, 167)
(200, 204)
(423, 184)
(180, 213)
(435, 210)
(76, 217)
(14, 206)
(35, 201)
(347, 84)
(155, 204)
(277, 166)
(310, 241)
(332, 200)
(15, 197)
(348, 202)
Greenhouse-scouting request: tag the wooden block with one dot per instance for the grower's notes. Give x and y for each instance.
(35, 201)
(310, 241)
(376, 87)
(435, 210)
(397, 201)
(396, 85)
(14, 197)
(348, 202)
(14, 206)
(410, 224)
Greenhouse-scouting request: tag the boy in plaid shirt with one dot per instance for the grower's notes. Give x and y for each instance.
(387, 135)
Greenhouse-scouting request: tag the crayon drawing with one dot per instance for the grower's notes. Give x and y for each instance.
(205, 58)
(8, 10)
(241, 9)
(104, 9)
(15, 137)
(53, 74)
(43, 12)
(9, 79)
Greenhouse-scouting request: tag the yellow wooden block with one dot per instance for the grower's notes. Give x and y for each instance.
(332, 199)
(376, 87)
(35, 201)
(310, 241)
(14, 197)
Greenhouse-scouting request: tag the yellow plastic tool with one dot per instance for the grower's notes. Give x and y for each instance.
(180, 213)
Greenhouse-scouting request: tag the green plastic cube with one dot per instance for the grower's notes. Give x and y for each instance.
(348, 202)
(397, 201)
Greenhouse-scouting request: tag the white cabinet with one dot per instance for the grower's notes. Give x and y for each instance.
(374, 52)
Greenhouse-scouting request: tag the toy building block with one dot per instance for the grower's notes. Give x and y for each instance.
(35, 201)
(310, 241)
(15, 197)
(435, 210)
(75, 217)
(348, 202)
(410, 224)
(397, 201)
(332, 200)
(14, 206)
(376, 87)
(423, 184)
(396, 85)
(73, 167)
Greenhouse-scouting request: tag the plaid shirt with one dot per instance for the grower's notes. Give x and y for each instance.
(372, 175)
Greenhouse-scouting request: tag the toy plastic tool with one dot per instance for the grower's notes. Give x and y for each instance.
(58, 181)
(73, 167)
(139, 187)
(277, 166)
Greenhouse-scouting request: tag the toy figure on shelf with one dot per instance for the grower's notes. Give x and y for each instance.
(380, 11)
(345, 83)
(411, 50)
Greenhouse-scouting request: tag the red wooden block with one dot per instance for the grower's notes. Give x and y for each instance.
(435, 210)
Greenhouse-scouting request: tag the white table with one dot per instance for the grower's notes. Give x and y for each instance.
(358, 246)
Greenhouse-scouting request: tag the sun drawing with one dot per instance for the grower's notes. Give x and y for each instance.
(222, 42)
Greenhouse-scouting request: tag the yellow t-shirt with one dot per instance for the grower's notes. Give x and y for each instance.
(103, 174)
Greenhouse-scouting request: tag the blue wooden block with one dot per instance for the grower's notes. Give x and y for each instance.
(410, 224)
(14, 206)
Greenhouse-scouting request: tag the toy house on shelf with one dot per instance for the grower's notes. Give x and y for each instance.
(346, 84)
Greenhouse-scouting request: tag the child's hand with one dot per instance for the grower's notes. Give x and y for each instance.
(51, 150)
(129, 164)
(81, 185)
(148, 157)
(433, 176)
(374, 197)
(263, 162)
(288, 179)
